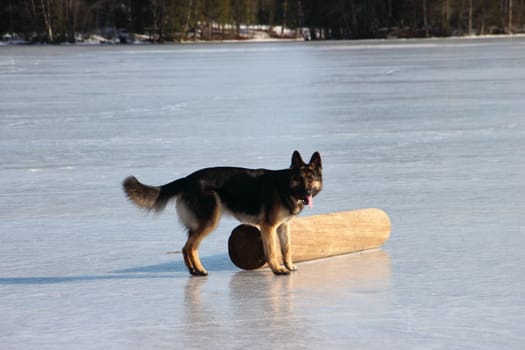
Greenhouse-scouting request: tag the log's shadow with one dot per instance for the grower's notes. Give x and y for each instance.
(172, 269)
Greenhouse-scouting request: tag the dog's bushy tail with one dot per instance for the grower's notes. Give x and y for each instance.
(150, 198)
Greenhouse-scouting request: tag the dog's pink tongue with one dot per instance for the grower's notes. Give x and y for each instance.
(310, 201)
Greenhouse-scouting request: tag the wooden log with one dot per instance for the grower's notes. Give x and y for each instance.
(315, 237)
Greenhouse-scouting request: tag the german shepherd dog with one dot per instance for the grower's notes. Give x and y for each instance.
(268, 199)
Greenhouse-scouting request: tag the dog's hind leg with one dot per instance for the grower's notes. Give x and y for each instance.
(191, 254)
(207, 222)
(268, 235)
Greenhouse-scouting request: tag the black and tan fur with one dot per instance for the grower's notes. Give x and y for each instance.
(268, 199)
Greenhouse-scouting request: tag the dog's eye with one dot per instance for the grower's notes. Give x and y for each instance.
(312, 177)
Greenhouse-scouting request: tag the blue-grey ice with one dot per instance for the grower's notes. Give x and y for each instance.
(431, 131)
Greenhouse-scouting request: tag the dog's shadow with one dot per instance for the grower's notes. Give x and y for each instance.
(219, 262)
(172, 269)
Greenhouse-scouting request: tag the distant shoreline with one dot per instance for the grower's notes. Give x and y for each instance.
(252, 40)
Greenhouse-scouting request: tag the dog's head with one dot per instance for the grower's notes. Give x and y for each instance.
(307, 179)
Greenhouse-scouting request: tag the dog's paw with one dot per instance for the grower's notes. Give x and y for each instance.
(196, 272)
(290, 267)
(281, 271)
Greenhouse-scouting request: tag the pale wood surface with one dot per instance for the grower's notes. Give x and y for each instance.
(325, 235)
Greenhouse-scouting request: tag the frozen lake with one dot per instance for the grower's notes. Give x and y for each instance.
(432, 132)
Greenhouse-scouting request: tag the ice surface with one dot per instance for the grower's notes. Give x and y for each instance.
(432, 132)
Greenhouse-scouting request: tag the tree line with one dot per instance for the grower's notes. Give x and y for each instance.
(176, 20)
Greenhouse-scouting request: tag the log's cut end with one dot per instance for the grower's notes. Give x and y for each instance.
(315, 237)
(245, 247)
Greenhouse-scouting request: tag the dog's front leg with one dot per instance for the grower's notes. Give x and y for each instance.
(286, 245)
(268, 235)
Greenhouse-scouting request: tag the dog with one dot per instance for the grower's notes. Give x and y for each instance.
(268, 199)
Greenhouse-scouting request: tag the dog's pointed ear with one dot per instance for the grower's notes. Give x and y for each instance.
(297, 161)
(316, 160)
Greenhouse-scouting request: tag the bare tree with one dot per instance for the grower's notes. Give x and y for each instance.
(469, 17)
(425, 18)
(445, 16)
(46, 13)
(187, 20)
(510, 17)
